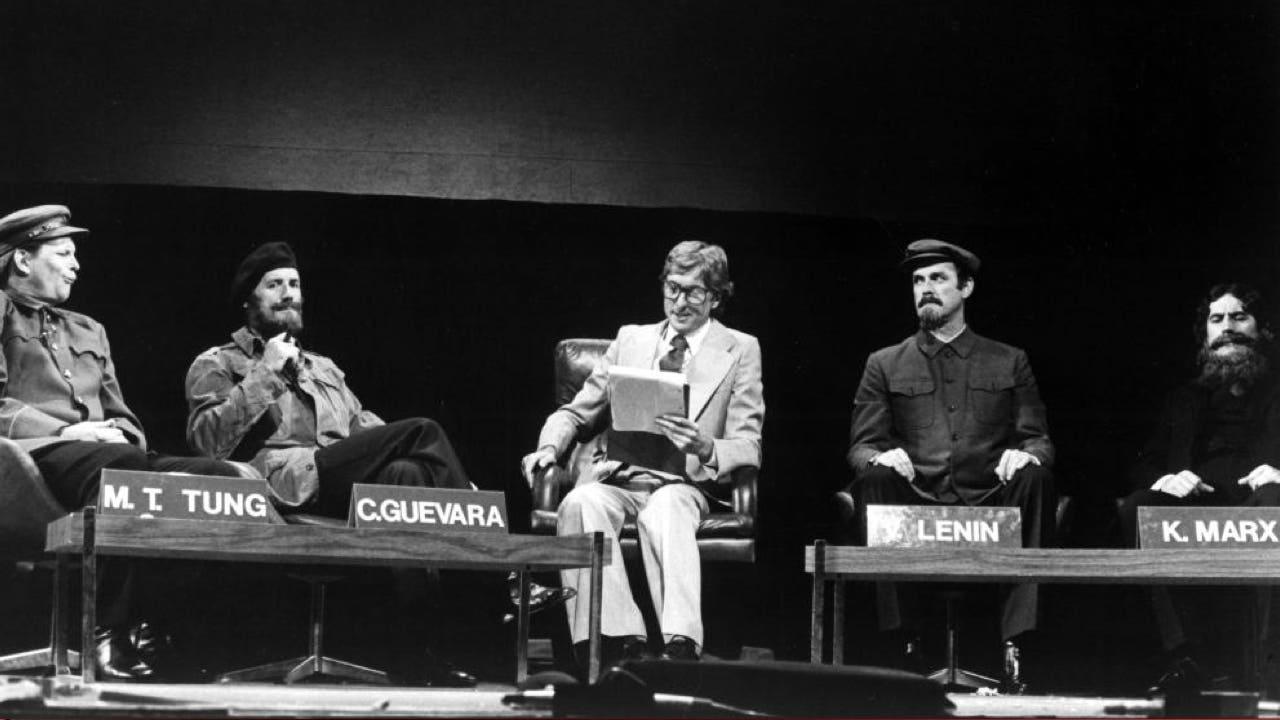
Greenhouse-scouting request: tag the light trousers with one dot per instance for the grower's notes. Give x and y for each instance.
(667, 522)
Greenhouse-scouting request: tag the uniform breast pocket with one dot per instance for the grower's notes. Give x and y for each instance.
(88, 359)
(911, 400)
(991, 400)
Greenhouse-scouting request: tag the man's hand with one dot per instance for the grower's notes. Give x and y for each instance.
(685, 435)
(1011, 462)
(898, 460)
(104, 431)
(538, 459)
(1182, 484)
(1261, 475)
(279, 351)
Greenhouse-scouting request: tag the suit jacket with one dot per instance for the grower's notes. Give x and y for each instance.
(55, 371)
(726, 399)
(1172, 446)
(953, 408)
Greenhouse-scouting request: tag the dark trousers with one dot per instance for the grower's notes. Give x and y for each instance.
(411, 452)
(1217, 623)
(1031, 490)
(72, 471)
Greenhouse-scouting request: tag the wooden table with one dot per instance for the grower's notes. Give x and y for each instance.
(835, 564)
(87, 534)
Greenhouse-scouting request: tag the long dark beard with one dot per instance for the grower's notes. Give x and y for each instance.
(1244, 367)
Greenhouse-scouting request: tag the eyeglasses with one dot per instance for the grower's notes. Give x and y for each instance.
(695, 295)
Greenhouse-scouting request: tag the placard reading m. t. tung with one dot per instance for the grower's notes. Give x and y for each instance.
(145, 494)
(427, 509)
(1217, 527)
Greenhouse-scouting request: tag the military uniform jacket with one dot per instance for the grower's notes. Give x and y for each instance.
(239, 409)
(56, 371)
(954, 408)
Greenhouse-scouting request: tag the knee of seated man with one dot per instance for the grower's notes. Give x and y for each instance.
(876, 477)
(404, 472)
(1036, 476)
(1267, 495)
(120, 456)
(580, 497)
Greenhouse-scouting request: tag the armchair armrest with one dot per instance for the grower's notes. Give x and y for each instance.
(549, 487)
(745, 491)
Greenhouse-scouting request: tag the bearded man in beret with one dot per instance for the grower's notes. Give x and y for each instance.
(287, 411)
(61, 401)
(949, 417)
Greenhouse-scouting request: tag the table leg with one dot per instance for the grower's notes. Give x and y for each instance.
(88, 600)
(819, 592)
(597, 578)
(61, 612)
(837, 622)
(522, 630)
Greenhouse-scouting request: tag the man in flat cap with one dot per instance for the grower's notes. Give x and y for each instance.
(60, 399)
(1217, 443)
(289, 412)
(949, 417)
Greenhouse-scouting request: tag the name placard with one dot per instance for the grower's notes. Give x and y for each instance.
(942, 526)
(180, 496)
(427, 509)
(1215, 527)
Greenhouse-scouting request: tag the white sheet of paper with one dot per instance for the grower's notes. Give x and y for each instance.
(637, 396)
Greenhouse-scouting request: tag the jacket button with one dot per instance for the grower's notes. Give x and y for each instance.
(955, 437)
(311, 466)
(949, 380)
(79, 400)
(66, 374)
(951, 408)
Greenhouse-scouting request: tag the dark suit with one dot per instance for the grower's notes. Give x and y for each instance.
(954, 408)
(1185, 439)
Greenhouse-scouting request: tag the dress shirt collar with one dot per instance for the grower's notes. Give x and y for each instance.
(962, 344)
(694, 338)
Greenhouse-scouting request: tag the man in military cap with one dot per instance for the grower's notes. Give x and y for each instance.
(949, 417)
(60, 399)
(262, 398)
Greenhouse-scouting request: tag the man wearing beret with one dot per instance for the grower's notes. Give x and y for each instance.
(60, 399)
(949, 417)
(262, 398)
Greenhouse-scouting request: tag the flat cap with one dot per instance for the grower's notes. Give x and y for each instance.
(929, 251)
(35, 226)
(260, 261)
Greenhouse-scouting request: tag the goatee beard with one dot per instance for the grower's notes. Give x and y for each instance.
(1245, 367)
(932, 318)
(279, 322)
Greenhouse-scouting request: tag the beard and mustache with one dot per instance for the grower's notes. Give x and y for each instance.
(275, 319)
(1246, 366)
(929, 310)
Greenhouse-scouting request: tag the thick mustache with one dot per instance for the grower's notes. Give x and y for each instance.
(1230, 338)
(287, 306)
(928, 300)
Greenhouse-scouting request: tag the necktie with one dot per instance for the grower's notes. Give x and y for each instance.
(673, 361)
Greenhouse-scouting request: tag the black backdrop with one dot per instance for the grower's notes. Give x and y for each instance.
(451, 309)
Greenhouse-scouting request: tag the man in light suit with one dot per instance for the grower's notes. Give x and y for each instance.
(720, 434)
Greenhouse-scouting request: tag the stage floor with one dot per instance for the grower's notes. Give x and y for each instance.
(67, 698)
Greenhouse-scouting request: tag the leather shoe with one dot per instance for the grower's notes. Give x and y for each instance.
(1012, 682)
(541, 597)
(432, 671)
(116, 659)
(680, 647)
(1185, 676)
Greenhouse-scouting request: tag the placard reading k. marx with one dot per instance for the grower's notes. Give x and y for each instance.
(179, 496)
(942, 526)
(1215, 527)
(427, 509)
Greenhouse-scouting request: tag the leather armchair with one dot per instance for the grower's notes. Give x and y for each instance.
(26, 508)
(723, 536)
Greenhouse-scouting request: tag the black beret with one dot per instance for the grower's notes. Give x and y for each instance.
(35, 226)
(929, 251)
(262, 260)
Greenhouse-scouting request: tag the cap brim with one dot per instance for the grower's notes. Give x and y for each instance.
(61, 232)
(929, 259)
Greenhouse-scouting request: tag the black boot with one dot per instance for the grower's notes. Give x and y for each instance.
(1012, 680)
(116, 658)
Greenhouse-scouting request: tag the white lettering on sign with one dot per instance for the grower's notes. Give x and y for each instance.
(1254, 531)
(151, 493)
(427, 512)
(1169, 531)
(212, 502)
(959, 530)
(116, 496)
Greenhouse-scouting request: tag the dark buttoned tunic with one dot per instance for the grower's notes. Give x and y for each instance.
(954, 408)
